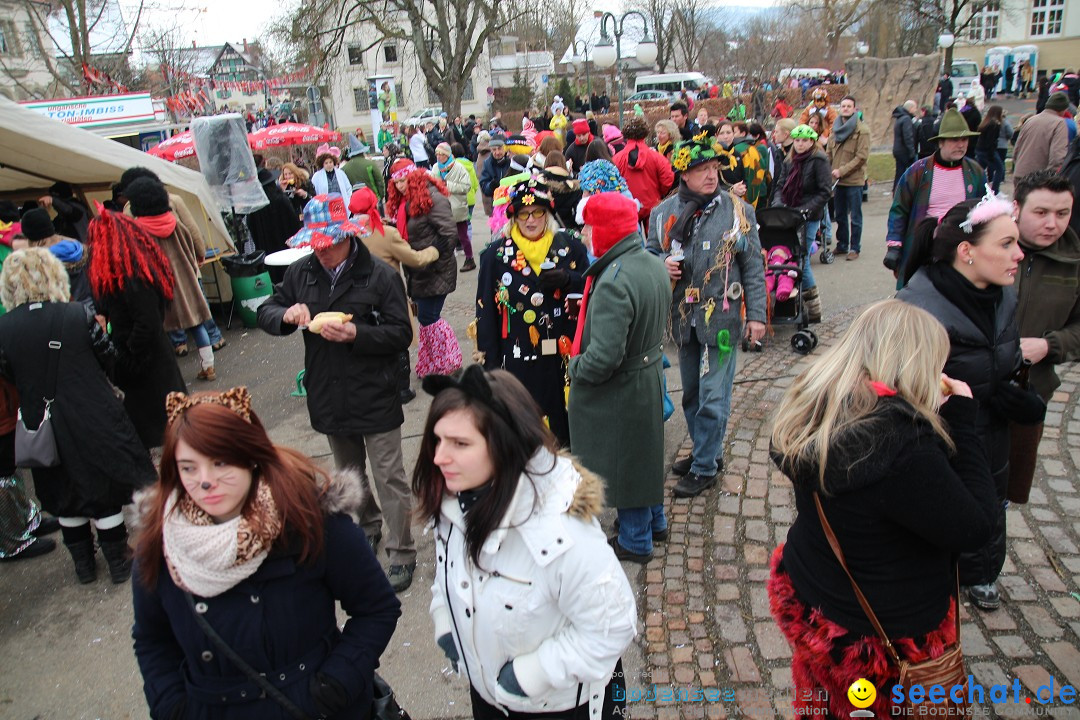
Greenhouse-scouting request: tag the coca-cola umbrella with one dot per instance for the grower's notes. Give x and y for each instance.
(286, 134)
(176, 147)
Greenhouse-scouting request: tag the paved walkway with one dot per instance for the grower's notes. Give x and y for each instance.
(706, 613)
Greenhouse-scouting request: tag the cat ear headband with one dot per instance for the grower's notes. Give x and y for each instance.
(473, 382)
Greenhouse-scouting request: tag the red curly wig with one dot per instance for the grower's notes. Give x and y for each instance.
(417, 198)
(120, 251)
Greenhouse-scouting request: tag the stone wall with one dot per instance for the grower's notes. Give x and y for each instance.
(880, 85)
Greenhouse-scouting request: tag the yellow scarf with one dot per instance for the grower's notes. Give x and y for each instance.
(662, 148)
(535, 251)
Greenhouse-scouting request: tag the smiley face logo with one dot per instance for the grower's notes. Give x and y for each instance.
(862, 693)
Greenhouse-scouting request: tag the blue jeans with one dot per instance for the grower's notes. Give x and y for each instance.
(706, 401)
(205, 334)
(808, 274)
(429, 309)
(848, 200)
(637, 525)
(994, 165)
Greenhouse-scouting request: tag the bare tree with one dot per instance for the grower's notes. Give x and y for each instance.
(447, 36)
(90, 32)
(689, 23)
(663, 29)
(763, 46)
(955, 16)
(835, 17)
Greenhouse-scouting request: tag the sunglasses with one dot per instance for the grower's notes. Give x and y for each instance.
(535, 213)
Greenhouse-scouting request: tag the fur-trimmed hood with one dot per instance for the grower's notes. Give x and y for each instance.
(588, 500)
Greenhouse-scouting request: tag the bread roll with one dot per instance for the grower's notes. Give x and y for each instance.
(319, 321)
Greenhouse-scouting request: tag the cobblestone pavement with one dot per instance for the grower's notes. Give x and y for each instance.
(706, 613)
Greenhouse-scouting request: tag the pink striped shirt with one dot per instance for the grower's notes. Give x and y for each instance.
(946, 190)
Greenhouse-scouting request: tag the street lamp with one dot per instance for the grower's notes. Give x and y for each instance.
(606, 55)
(861, 48)
(578, 60)
(945, 41)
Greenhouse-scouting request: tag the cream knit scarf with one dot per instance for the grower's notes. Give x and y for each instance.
(208, 559)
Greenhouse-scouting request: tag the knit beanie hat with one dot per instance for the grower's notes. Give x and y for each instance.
(401, 168)
(1059, 102)
(444, 149)
(147, 197)
(612, 217)
(581, 126)
(37, 225)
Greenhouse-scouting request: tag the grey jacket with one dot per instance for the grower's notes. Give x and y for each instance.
(702, 254)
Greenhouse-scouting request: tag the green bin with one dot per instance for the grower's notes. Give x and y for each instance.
(248, 294)
(251, 284)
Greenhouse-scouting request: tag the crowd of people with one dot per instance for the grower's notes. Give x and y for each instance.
(607, 244)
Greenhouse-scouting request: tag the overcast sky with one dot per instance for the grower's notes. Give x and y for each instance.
(213, 22)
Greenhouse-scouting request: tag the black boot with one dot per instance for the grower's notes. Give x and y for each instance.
(403, 371)
(812, 300)
(82, 552)
(118, 556)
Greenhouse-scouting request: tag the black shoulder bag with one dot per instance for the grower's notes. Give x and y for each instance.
(37, 448)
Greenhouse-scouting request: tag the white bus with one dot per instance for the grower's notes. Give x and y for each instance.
(673, 83)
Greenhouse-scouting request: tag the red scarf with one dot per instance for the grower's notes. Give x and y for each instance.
(161, 226)
(402, 221)
(576, 349)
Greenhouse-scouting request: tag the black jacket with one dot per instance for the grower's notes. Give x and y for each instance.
(903, 144)
(901, 507)
(927, 129)
(146, 368)
(101, 458)
(351, 386)
(817, 185)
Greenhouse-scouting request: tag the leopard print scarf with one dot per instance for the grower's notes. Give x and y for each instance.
(208, 559)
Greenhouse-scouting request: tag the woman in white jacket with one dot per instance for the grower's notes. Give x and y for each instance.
(529, 600)
(329, 178)
(458, 183)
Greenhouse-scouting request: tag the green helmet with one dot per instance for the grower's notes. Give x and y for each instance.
(803, 132)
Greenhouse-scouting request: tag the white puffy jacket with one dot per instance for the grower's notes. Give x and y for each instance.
(549, 594)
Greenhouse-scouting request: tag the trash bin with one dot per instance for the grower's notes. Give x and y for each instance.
(250, 284)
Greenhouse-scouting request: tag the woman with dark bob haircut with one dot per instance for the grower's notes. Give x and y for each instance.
(252, 541)
(529, 599)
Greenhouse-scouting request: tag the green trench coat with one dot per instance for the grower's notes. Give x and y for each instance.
(616, 391)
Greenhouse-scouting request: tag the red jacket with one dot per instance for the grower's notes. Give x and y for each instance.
(649, 179)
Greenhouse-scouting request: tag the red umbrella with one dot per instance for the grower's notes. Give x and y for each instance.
(285, 134)
(176, 147)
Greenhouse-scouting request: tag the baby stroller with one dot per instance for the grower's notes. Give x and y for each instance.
(782, 231)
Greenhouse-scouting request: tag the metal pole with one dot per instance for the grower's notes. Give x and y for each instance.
(618, 75)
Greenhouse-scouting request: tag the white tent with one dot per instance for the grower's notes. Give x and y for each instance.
(36, 151)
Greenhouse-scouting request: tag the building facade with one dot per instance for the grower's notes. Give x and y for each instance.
(24, 74)
(998, 27)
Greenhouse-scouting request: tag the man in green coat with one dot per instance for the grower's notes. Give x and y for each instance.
(616, 374)
(361, 169)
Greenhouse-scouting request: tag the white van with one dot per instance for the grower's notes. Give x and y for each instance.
(964, 72)
(672, 83)
(802, 72)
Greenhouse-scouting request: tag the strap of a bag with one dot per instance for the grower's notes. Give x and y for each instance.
(835, 545)
(255, 676)
(56, 336)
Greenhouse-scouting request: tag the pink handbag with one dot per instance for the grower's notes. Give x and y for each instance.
(439, 352)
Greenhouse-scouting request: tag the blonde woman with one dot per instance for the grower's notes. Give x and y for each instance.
(904, 483)
(296, 184)
(101, 458)
(667, 134)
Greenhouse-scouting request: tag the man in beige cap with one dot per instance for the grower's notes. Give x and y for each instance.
(1044, 139)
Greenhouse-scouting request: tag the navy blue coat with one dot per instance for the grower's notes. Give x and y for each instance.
(281, 621)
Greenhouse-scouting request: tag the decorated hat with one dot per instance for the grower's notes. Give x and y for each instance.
(326, 223)
(691, 153)
(820, 93)
(529, 194)
(601, 176)
(327, 150)
(953, 126)
(804, 132)
(519, 145)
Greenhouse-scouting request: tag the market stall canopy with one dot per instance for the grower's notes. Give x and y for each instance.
(36, 152)
(285, 134)
(176, 147)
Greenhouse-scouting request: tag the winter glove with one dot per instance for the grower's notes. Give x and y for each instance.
(553, 279)
(509, 680)
(446, 643)
(329, 695)
(1024, 407)
(892, 258)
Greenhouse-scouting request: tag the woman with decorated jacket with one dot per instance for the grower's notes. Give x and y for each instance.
(522, 323)
(529, 601)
